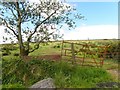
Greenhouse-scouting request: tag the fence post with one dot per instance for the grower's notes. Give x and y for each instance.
(62, 49)
(73, 53)
(105, 54)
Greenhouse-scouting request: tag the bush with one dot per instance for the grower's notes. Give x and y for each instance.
(5, 54)
(56, 46)
(114, 50)
(16, 54)
(45, 43)
(9, 47)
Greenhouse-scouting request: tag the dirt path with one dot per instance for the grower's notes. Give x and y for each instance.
(114, 73)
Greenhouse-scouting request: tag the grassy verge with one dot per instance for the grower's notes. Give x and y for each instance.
(17, 73)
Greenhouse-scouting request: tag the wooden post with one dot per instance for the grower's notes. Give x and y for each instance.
(65, 52)
(105, 53)
(73, 53)
(62, 49)
(83, 48)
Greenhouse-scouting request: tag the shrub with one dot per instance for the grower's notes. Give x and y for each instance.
(5, 54)
(9, 47)
(16, 54)
(56, 46)
(114, 50)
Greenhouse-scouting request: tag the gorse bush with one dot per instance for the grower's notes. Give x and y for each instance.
(114, 50)
(24, 74)
(57, 46)
(9, 47)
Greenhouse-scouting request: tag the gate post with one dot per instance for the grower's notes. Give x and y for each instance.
(62, 49)
(73, 53)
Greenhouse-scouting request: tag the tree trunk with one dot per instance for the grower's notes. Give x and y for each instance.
(23, 52)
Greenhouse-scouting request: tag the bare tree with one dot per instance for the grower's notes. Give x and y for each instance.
(29, 22)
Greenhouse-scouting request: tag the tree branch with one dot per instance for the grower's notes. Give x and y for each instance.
(9, 27)
(13, 13)
(26, 12)
(37, 45)
(39, 25)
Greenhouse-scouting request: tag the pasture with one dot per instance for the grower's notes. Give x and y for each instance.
(47, 62)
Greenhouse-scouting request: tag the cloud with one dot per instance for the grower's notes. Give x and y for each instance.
(92, 0)
(92, 32)
(1, 33)
(6, 35)
(82, 33)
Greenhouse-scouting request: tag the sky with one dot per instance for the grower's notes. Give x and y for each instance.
(101, 21)
(98, 13)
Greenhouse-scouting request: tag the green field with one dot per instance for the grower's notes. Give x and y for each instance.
(19, 73)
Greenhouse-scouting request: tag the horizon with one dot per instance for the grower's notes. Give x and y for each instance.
(101, 23)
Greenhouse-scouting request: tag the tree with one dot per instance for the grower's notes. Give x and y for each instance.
(35, 22)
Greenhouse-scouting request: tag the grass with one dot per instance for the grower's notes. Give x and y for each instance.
(81, 77)
(43, 49)
(110, 64)
(65, 75)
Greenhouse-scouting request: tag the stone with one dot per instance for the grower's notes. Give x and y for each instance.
(108, 84)
(45, 83)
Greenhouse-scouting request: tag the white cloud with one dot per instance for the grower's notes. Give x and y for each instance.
(82, 33)
(36, 1)
(92, 32)
(92, 0)
(1, 33)
(6, 35)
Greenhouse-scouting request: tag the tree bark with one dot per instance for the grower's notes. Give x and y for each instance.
(23, 52)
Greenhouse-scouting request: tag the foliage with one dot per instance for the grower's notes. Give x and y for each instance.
(57, 46)
(15, 86)
(64, 74)
(8, 48)
(114, 50)
(36, 22)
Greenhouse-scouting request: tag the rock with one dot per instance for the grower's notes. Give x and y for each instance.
(45, 83)
(108, 84)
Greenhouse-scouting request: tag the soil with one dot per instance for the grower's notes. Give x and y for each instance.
(115, 73)
(45, 57)
(108, 85)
